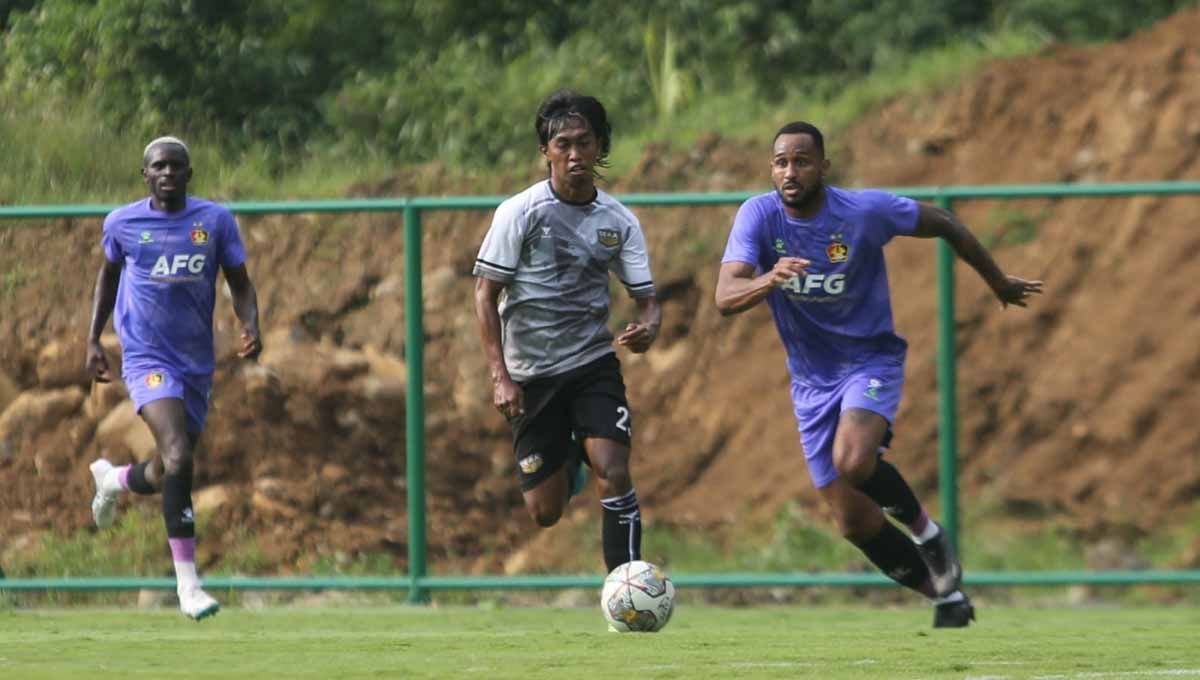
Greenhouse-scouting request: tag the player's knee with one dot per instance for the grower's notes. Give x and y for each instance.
(613, 476)
(546, 515)
(176, 460)
(855, 464)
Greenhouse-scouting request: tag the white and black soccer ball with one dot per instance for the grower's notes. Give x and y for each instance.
(638, 598)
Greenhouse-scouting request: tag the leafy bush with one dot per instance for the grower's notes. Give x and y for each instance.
(460, 79)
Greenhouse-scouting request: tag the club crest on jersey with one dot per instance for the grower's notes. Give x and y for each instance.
(608, 237)
(199, 234)
(154, 380)
(837, 251)
(531, 463)
(145, 237)
(780, 248)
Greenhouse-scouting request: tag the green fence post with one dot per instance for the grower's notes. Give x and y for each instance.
(414, 359)
(947, 390)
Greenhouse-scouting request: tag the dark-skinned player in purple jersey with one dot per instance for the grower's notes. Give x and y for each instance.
(161, 256)
(814, 252)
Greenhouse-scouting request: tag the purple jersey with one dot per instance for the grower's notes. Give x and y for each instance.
(839, 316)
(165, 301)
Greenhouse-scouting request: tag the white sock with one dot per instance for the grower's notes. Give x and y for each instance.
(956, 596)
(111, 484)
(186, 577)
(931, 530)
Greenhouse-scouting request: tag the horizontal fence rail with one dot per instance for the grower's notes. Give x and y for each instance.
(418, 584)
(996, 191)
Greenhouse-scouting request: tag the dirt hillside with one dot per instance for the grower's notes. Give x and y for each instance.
(1077, 410)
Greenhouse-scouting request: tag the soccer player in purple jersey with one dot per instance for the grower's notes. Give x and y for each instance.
(161, 256)
(814, 252)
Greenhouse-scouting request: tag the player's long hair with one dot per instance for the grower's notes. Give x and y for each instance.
(563, 106)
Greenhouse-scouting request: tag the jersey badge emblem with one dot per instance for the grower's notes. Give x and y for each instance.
(145, 237)
(780, 247)
(531, 463)
(837, 251)
(608, 237)
(199, 234)
(154, 380)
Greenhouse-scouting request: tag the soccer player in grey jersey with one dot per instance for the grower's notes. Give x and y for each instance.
(541, 299)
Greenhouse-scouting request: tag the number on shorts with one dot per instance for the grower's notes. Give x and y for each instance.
(623, 420)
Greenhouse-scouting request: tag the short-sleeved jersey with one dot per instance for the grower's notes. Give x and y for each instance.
(165, 301)
(554, 257)
(839, 316)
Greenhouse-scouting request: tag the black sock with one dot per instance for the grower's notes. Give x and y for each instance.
(897, 557)
(177, 504)
(887, 488)
(622, 530)
(137, 480)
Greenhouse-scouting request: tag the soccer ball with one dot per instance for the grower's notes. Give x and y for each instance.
(638, 597)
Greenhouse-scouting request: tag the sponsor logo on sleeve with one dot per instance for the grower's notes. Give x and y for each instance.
(154, 380)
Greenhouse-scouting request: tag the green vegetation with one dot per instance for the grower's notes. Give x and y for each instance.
(12, 279)
(134, 546)
(793, 541)
(302, 99)
(1012, 225)
(535, 643)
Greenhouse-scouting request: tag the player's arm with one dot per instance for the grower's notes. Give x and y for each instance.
(935, 222)
(104, 297)
(639, 336)
(245, 305)
(506, 394)
(738, 289)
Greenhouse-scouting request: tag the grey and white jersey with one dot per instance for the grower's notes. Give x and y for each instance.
(555, 257)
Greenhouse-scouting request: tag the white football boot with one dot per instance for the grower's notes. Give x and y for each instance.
(104, 503)
(197, 604)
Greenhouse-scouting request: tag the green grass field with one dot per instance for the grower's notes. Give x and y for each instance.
(532, 643)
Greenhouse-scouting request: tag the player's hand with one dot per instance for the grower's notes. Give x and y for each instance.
(251, 343)
(508, 398)
(1014, 291)
(637, 337)
(97, 362)
(788, 268)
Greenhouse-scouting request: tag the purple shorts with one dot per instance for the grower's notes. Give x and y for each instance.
(151, 384)
(874, 388)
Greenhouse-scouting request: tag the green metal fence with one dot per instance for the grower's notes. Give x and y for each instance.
(418, 583)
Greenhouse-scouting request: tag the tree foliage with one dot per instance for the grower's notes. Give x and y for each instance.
(461, 78)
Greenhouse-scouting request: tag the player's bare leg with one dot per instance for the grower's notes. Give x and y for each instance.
(622, 529)
(546, 501)
(858, 456)
(173, 475)
(862, 521)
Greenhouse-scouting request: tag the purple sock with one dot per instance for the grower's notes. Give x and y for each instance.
(918, 525)
(123, 476)
(183, 549)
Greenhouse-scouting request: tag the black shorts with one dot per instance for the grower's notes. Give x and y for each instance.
(588, 401)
